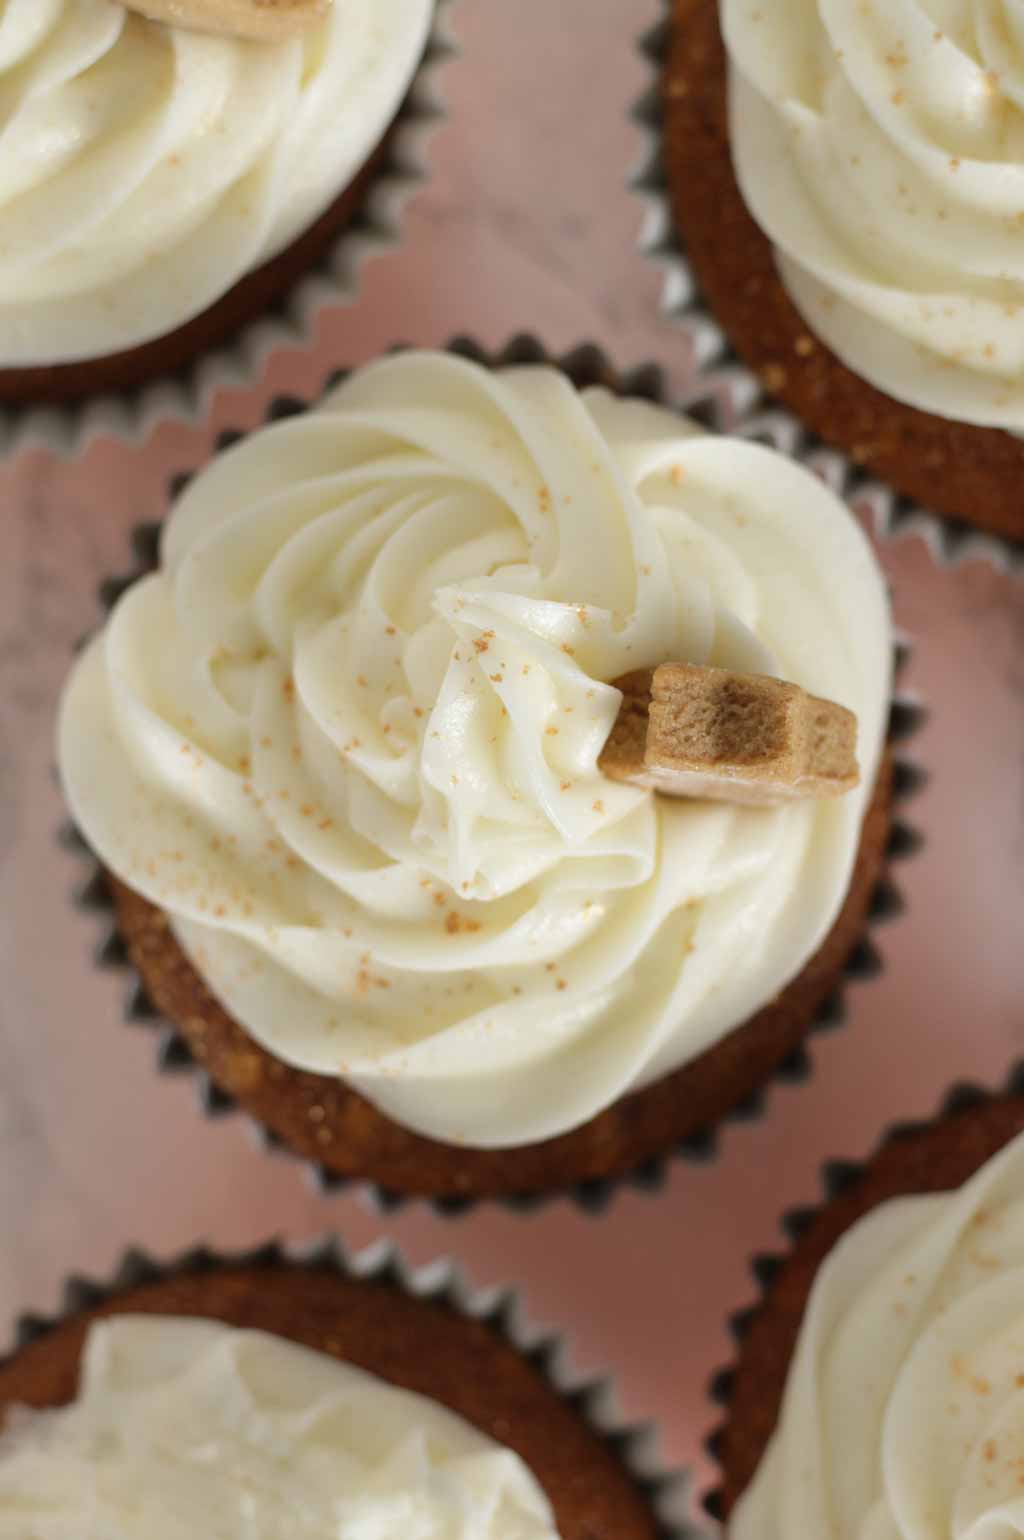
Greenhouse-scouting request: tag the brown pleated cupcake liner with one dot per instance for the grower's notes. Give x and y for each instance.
(730, 397)
(836, 1178)
(585, 365)
(184, 395)
(635, 1446)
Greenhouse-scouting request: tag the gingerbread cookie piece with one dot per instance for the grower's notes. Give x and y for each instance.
(692, 731)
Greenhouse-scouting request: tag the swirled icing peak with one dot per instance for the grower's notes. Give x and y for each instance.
(881, 147)
(145, 169)
(348, 738)
(187, 1427)
(903, 1417)
(258, 19)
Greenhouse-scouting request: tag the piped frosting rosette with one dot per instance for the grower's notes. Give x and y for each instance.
(347, 738)
(145, 169)
(188, 1427)
(881, 148)
(904, 1412)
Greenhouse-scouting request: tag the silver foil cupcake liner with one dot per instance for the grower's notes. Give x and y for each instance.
(730, 397)
(836, 1178)
(333, 280)
(636, 1447)
(585, 365)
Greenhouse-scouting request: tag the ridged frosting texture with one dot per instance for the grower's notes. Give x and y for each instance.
(881, 147)
(903, 1416)
(185, 1428)
(348, 738)
(145, 169)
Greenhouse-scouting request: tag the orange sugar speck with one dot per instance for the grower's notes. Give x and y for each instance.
(456, 923)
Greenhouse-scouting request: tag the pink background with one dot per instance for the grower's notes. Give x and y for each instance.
(526, 222)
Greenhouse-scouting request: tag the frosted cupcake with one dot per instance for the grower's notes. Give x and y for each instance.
(897, 1330)
(850, 185)
(162, 184)
(257, 1400)
(343, 759)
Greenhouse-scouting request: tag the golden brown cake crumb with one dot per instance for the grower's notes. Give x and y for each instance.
(352, 1139)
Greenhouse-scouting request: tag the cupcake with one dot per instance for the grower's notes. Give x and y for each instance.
(161, 185)
(878, 1388)
(345, 758)
(850, 190)
(245, 1399)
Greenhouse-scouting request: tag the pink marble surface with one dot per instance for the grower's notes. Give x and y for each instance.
(526, 222)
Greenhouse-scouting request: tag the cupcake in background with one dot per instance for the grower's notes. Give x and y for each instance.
(343, 758)
(849, 183)
(163, 184)
(878, 1389)
(248, 1398)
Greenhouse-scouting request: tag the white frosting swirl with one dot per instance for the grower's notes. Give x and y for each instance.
(348, 738)
(881, 148)
(145, 169)
(186, 1427)
(903, 1417)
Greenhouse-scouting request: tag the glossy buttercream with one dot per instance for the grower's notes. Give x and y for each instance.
(903, 1417)
(881, 148)
(184, 1428)
(348, 738)
(144, 169)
